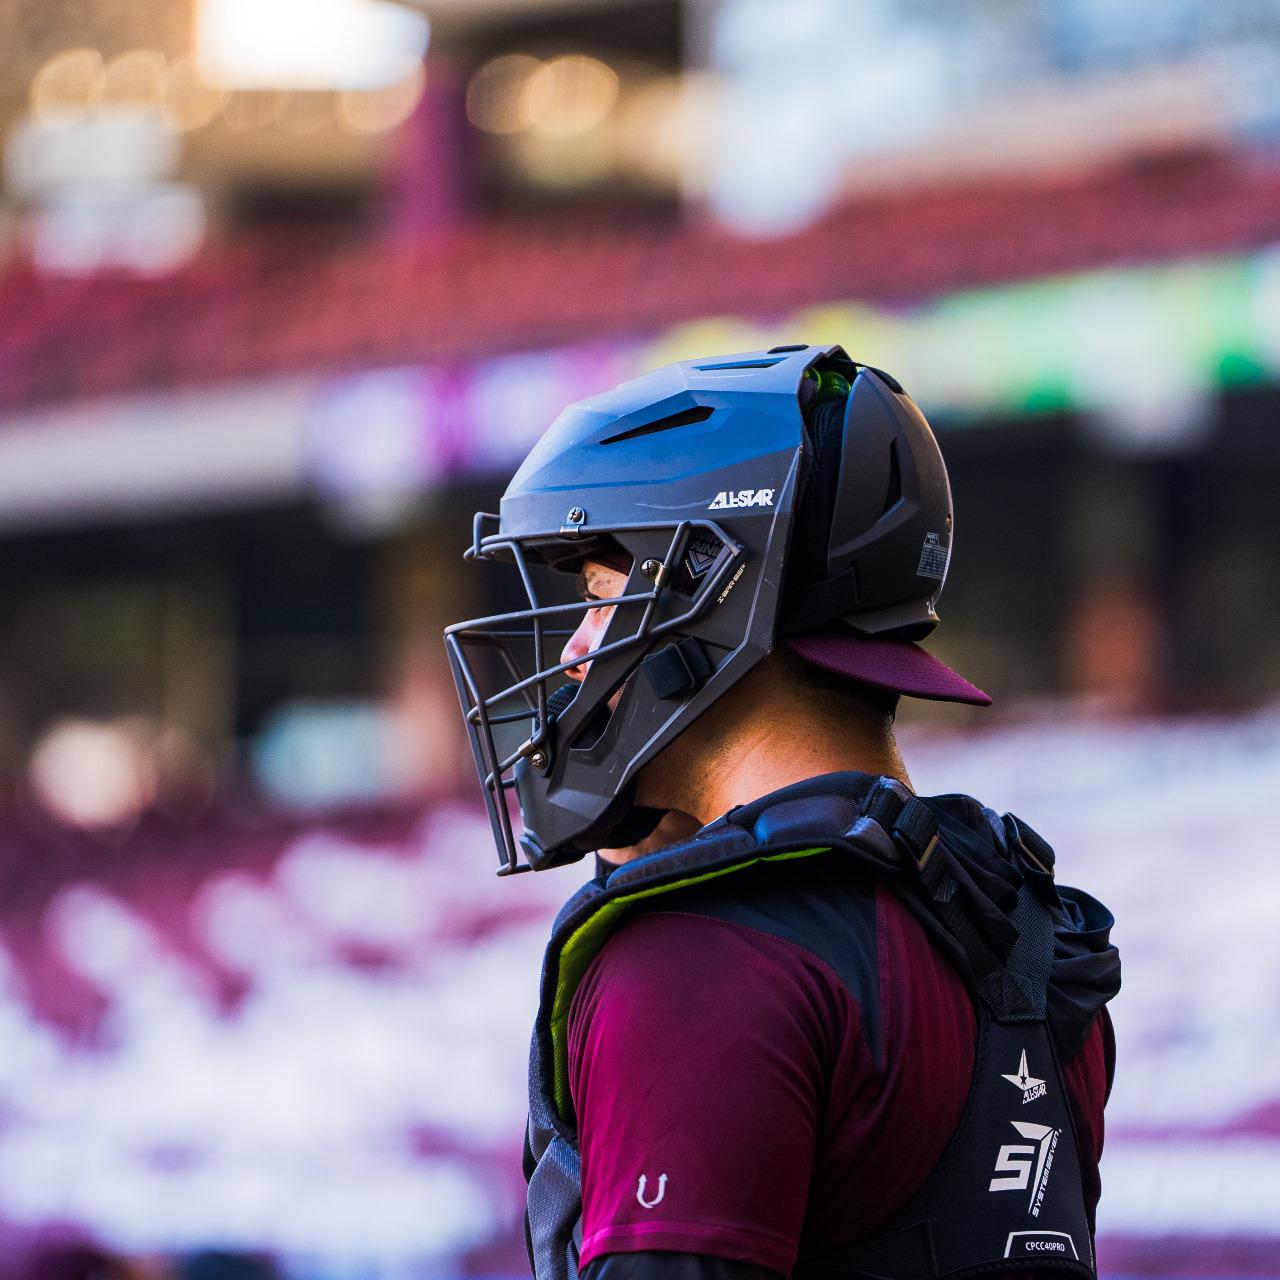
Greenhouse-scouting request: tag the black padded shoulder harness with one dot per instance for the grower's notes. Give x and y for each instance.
(1007, 1194)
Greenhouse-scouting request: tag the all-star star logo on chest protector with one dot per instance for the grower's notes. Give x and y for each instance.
(1032, 1087)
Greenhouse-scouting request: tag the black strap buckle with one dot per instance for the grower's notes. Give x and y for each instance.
(1033, 847)
(910, 824)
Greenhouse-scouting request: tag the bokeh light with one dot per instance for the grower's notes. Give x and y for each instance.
(92, 775)
(309, 111)
(495, 93)
(664, 131)
(380, 110)
(135, 80)
(187, 101)
(68, 85)
(247, 109)
(569, 95)
(308, 44)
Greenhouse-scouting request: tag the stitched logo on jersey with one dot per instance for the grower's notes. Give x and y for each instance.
(1015, 1161)
(1032, 1088)
(726, 499)
(657, 1200)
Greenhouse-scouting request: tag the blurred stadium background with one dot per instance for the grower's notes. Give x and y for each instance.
(286, 289)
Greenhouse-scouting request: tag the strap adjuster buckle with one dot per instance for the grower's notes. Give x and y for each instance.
(1031, 846)
(922, 858)
(910, 825)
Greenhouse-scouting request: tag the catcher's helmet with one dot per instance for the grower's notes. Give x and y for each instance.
(788, 495)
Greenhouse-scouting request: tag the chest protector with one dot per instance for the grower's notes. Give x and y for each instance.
(1007, 1194)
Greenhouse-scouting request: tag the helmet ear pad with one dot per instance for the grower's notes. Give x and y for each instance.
(871, 451)
(876, 495)
(810, 551)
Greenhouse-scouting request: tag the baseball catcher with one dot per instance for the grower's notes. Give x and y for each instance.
(801, 1021)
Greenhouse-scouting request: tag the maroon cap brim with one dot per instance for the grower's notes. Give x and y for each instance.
(886, 662)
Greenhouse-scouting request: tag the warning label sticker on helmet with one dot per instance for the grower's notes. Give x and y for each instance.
(933, 558)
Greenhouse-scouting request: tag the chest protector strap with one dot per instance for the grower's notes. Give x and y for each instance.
(1007, 1194)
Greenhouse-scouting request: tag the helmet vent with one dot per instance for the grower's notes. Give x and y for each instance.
(893, 494)
(738, 364)
(685, 418)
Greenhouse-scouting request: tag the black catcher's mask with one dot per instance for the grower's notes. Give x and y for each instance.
(692, 476)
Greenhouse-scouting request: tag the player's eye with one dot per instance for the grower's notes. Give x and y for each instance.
(584, 591)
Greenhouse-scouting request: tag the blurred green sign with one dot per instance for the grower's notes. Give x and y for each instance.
(1141, 343)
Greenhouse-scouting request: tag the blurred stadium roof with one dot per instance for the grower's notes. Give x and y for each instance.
(684, 160)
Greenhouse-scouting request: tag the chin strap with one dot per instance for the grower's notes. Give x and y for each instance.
(637, 823)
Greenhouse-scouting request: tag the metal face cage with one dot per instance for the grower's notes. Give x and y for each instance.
(526, 720)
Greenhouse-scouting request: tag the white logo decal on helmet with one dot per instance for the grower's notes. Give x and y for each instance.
(727, 499)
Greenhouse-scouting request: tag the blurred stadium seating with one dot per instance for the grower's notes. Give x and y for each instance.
(310, 1039)
(283, 300)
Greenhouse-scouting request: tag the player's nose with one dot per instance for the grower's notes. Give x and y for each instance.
(583, 641)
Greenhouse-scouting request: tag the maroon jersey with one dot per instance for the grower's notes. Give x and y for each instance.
(770, 1079)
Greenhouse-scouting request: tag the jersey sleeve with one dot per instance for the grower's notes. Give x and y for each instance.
(1088, 1078)
(698, 1051)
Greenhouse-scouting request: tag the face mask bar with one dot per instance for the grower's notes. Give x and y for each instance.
(501, 634)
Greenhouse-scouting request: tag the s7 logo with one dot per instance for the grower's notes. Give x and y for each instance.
(1014, 1162)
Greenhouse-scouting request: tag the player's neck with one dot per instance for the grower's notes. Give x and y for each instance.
(758, 739)
(768, 762)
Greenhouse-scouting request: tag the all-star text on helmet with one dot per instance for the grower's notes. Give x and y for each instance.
(754, 497)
